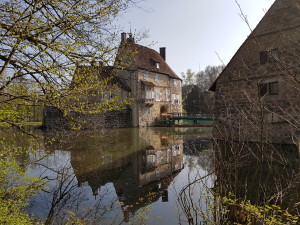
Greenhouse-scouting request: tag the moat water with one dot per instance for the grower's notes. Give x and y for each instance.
(152, 175)
(122, 176)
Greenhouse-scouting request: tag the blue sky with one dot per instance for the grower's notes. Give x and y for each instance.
(194, 31)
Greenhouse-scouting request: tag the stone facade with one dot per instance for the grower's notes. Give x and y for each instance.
(258, 93)
(154, 94)
(140, 74)
(155, 87)
(54, 119)
(116, 93)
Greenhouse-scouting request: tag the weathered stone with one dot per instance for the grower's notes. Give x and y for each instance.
(146, 78)
(269, 59)
(54, 119)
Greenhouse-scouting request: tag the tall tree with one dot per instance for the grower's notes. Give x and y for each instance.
(196, 97)
(204, 79)
(42, 41)
(188, 77)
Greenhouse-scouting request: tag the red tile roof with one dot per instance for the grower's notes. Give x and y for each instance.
(146, 58)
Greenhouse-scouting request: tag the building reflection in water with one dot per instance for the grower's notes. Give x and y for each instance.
(140, 163)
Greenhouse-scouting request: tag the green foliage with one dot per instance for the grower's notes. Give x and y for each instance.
(16, 189)
(188, 77)
(13, 107)
(197, 98)
(234, 211)
(228, 210)
(197, 101)
(73, 218)
(142, 216)
(42, 43)
(204, 78)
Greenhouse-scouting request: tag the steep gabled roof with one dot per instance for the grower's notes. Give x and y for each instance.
(145, 58)
(282, 15)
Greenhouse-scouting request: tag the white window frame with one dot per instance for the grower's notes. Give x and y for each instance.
(146, 76)
(157, 174)
(168, 96)
(149, 92)
(175, 99)
(158, 96)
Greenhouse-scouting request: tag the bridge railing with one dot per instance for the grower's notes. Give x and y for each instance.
(190, 115)
(169, 119)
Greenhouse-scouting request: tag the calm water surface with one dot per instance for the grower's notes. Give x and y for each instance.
(123, 176)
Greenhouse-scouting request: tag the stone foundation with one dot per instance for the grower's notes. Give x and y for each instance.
(54, 120)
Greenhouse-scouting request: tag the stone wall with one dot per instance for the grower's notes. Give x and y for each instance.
(54, 119)
(241, 111)
(144, 114)
(147, 115)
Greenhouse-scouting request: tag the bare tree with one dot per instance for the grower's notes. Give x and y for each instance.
(257, 104)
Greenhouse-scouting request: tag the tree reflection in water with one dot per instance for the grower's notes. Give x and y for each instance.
(137, 176)
(262, 173)
(109, 177)
(251, 173)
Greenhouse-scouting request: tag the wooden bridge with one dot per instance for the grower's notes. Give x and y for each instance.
(185, 120)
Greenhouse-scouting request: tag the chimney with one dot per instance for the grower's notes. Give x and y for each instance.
(123, 37)
(162, 52)
(130, 38)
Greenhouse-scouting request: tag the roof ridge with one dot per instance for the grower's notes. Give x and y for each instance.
(142, 59)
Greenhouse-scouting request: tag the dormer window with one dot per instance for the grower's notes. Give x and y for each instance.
(157, 65)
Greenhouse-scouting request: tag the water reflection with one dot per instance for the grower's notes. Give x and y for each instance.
(135, 169)
(155, 176)
(108, 176)
(263, 173)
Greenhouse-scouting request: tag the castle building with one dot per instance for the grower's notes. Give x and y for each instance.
(139, 74)
(155, 86)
